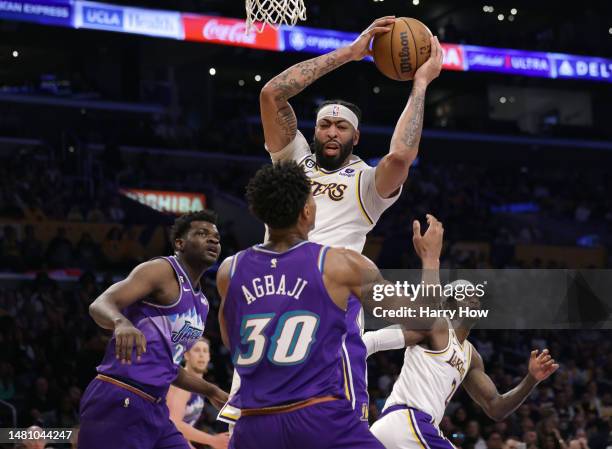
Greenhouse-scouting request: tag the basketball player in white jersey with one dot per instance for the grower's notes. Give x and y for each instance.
(186, 407)
(349, 194)
(436, 362)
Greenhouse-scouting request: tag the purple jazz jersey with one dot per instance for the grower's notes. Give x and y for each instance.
(170, 331)
(354, 367)
(284, 330)
(113, 417)
(329, 425)
(193, 409)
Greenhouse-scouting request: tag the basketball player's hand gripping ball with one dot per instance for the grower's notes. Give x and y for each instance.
(360, 48)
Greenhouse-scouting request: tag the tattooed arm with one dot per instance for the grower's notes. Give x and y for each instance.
(279, 120)
(392, 170)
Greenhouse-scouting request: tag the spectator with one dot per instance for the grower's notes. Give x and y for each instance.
(116, 213)
(10, 254)
(495, 441)
(96, 215)
(473, 438)
(31, 249)
(74, 214)
(60, 252)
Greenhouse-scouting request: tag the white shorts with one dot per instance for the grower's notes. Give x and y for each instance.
(408, 428)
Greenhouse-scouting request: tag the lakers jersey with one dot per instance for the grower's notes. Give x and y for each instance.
(348, 204)
(429, 379)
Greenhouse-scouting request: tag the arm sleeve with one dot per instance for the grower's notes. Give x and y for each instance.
(374, 204)
(296, 151)
(391, 337)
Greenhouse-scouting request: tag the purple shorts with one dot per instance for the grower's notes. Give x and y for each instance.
(115, 417)
(327, 425)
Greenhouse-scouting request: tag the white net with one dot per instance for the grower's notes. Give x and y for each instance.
(274, 13)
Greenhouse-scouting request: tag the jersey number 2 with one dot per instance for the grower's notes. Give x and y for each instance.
(289, 345)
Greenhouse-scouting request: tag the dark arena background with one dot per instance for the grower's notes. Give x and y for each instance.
(109, 129)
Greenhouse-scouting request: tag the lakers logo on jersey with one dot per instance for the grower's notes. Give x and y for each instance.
(456, 362)
(334, 190)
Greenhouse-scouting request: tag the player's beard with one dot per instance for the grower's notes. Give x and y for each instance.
(331, 163)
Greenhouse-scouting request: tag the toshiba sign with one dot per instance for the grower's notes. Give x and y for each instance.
(220, 30)
(167, 201)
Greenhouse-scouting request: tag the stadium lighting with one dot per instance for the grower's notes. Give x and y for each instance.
(500, 17)
(487, 8)
(16, 53)
(212, 71)
(610, 30)
(513, 11)
(241, 83)
(258, 78)
(511, 18)
(376, 90)
(415, 2)
(502, 100)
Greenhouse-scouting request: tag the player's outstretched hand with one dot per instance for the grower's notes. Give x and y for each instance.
(541, 366)
(428, 246)
(126, 337)
(431, 69)
(360, 48)
(219, 441)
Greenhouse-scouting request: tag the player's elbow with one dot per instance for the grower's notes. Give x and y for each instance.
(494, 413)
(402, 160)
(267, 93)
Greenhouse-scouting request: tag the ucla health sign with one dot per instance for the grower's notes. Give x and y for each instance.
(148, 22)
(98, 16)
(51, 12)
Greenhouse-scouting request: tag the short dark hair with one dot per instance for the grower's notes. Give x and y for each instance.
(351, 106)
(277, 193)
(183, 223)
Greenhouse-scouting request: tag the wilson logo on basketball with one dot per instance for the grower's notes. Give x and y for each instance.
(404, 54)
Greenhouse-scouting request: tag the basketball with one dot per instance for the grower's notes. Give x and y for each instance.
(400, 52)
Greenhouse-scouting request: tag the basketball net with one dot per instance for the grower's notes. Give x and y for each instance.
(273, 13)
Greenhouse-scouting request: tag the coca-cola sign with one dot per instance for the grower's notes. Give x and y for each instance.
(221, 30)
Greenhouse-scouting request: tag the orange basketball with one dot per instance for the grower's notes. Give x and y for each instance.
(400, 52)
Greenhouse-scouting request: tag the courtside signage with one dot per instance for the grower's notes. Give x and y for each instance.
(168, 201)
(45, 12)
(230, 31)
(224, 31)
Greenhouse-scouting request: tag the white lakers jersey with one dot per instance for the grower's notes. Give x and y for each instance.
(429, 379)
(348, 204)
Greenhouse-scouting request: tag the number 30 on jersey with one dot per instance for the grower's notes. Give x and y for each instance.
(289, 345)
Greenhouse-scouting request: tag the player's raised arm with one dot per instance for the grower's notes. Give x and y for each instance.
(498, 406)
(348, 272)
(144, 280)
(392, 170)
(277, 116)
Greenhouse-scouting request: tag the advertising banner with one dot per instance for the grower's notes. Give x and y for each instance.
(168, 201)
(224, 31)
(51, 12)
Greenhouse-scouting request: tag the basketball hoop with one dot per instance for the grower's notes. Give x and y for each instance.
(274, 13)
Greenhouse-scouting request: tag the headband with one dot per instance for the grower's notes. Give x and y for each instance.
(338, 111)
